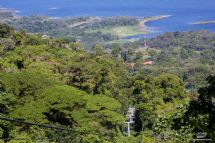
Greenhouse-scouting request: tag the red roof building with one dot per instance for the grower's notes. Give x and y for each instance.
(148, 62)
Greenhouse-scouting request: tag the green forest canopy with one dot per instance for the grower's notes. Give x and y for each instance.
(54, 81)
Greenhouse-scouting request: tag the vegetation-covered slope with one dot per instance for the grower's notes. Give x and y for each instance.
(54, 81)
(88, 30)
(38, 80)
(189, 55)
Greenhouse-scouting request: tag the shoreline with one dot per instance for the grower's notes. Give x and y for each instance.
(155, 18)
(144, 28)
(145, 20)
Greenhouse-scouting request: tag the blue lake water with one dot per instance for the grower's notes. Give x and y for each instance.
(183, 12)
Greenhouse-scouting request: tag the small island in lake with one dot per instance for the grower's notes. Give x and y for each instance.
(204, 22)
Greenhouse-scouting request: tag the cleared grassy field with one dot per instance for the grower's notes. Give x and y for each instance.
(122, 31)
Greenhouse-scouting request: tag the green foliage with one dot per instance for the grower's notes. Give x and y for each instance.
(53, 81)
(115, 50)
(144, 117)
(200, 113)
(190, 55)
(86, 29)
(164, 89)
(24, 83)
(139, 56)
(123, 139)
(198, 40)
(5, 30)
(99, 49)
(155, 97)
(6, 44)
(164, 128)
(37, 82)
(54, 104)
(125, 56)
(99, 102)
(63, 105)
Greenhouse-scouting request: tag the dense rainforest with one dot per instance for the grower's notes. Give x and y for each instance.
(54, 81)
(189, 55)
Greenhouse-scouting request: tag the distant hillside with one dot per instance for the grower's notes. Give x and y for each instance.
(198, 40)
(87, 30)
(190, 55)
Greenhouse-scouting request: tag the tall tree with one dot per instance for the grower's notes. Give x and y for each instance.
(201, 112)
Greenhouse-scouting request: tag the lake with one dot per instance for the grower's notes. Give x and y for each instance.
(183, 12)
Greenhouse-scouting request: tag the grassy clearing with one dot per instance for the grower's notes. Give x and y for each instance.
(125, 31)
(121, 31)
